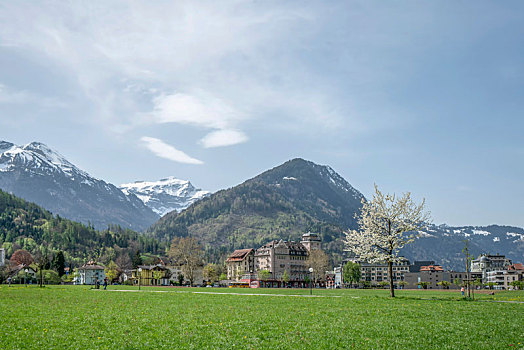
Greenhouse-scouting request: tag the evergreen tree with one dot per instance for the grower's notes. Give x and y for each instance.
(137, 259)
(59, 263)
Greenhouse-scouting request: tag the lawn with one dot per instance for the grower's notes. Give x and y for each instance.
(58, 317)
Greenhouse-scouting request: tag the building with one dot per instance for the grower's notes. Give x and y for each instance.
(22, 273)
(151, 275)
(515, 273)
(488, 263)
(239, 263)
(283, 257)
(2, 257)
(279, 257)
(415, 267)
(377, 272)
(175, 271)
(431, 275)
(90, 273)
(311, 241)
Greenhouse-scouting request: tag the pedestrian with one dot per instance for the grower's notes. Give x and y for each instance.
(9, 281)
(462, 291)
(105, 283)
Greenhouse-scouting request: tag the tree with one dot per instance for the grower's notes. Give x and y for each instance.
(223, 277)
(210, 273)
(386, 224)
(424, 285)
(112, 271)
(188, 253)
(457, 282)
(21, 257)
(180, 279)
(264, 275)
(468, 260)
(444, 284)
(517, 284)
(352, 273)
(137, 259)
(124, 262)
(402, 284)
(491, 285)
(42, 261)
(383, 284)
(319, 261)
(59, 263)
(158, 275)
(285, 277)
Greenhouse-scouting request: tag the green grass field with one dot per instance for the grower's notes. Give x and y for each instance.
(76, 317)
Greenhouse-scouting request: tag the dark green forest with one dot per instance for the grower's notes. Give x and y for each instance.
(25, 225)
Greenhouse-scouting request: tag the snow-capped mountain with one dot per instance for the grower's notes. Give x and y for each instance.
(165, 195)
(444, 244)
(39, 174)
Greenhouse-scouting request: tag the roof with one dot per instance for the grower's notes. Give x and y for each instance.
(152, 267)
(431, 268)
(239, 254)
(517, 266)
(91, 266)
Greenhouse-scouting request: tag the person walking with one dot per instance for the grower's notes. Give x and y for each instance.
(9, 281)
(462, 291)
(105, 283)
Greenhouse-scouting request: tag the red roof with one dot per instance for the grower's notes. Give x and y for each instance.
(239, 254)
(517, 266)
(431, 268)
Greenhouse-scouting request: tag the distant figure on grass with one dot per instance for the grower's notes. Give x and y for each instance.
(9, 281)
(462, 291)
(105, 283)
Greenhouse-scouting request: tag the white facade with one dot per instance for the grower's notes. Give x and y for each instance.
(89, 275)
(2, 257)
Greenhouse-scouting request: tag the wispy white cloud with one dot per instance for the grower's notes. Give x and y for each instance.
(222, 138)
(164, 150)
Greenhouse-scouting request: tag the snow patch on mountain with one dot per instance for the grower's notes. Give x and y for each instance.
(165, 195)
(481, 232)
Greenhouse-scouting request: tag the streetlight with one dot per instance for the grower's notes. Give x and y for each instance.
(25, 277)
(139, 276)
(310, 280)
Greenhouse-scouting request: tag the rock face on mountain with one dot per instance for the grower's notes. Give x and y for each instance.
(43, 176)
(165, 195)
(281, 203)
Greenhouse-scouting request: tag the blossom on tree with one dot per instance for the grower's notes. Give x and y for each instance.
(386, 224)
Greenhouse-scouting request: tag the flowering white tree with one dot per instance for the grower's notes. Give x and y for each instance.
(386, 224)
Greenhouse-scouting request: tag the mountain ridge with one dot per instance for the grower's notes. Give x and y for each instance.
(39, 174)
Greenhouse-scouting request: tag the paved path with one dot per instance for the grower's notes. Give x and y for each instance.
(224, 293)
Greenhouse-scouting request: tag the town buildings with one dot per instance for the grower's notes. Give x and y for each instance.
(151, 275)
(90, 273)
(488, 265)
(375, 273)
(515, 272)
(239, 263)
(283, 260)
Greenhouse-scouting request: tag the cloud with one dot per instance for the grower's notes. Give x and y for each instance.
(222, 138)
(163, 150)
(200, 109)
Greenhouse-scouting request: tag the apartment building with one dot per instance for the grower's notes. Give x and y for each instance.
(239, 263)
(378, 272)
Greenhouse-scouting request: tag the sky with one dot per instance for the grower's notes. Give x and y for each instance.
(418, 96)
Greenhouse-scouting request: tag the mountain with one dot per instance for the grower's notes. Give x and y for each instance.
(284, 202)
(25, 225)
(166, 195)
(43, 176)
(444, 244)
(300, 196)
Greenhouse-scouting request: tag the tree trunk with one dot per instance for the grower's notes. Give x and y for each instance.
(390, 273)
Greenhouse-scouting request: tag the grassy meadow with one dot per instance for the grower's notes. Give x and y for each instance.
(77, 317)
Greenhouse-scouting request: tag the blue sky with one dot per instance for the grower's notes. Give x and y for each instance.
(426, 97)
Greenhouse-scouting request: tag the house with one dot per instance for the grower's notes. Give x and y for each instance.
(2, 257)
(90, 273)
(175, 271)
(515, 273)
(151, 275)
(240, 262)
(281, 257)
(378, 272)
(415, 267)
(431, 275)
(487, 263)
(22, 273)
